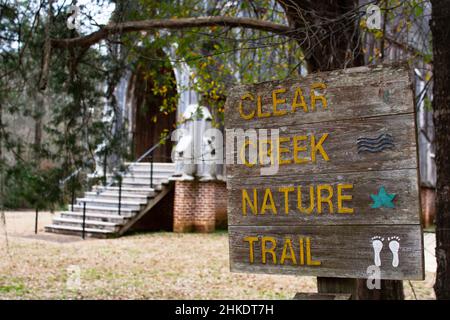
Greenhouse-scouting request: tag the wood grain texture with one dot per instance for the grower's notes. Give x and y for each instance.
(341, 147)
(321, 296)
(403, 183)
(344, 251)
(367, 102)
(352, 93)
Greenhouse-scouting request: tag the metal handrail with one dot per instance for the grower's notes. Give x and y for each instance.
(146, 153)
(120, 177)
(62, 182)
(143, 156)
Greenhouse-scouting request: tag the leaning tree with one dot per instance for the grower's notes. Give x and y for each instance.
(441, 106)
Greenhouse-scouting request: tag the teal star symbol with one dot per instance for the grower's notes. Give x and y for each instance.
(382, 199)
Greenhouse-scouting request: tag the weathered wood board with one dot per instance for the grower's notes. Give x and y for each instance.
(352, 93)
(321, 296)
(403, 183)
(345, 183)
(335, 251)
(340, 146)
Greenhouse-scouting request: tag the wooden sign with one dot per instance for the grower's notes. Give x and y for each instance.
(322, 175)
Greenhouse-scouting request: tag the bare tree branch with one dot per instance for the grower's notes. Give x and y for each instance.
(47, 49)
(179, 23)
(407, 48)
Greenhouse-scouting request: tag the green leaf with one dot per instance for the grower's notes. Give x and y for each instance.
(427, 104)
(418, 10)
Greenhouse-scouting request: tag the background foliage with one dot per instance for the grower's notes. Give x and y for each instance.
(46, 135)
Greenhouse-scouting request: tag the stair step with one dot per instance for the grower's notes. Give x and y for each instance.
(136, 190)
(146, 170)
(138, 184)
(89, 232)
(112, 202)
(126, 212)
(144, 180)
(132, 183)
(143, 175)
(111, 226)
(95, 216)
(156, 165)
(102, 219)
(115, 195)
(110, 205)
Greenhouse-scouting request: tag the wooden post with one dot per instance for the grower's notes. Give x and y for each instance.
(380, 225)
(105, 162)
(321, 296)
(389, 289)
(36, 221)
(83, 231)
(120, 195)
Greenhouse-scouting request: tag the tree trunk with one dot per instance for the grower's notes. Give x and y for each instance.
(390, 289)
(1, 137)
(327, 31)
(441, 105)
(41, 104)
(329, 35)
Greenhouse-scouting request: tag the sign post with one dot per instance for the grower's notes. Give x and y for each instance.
(322, 176)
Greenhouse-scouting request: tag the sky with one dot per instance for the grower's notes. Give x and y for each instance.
(91, 12)
(99, 10)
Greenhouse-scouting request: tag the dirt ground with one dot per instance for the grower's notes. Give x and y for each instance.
(157, 265)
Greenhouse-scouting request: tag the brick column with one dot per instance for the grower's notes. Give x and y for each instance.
(205, 214)
(198, 206)
(221, 204)
(184, 206)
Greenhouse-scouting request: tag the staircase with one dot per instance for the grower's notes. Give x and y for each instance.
(102, 219)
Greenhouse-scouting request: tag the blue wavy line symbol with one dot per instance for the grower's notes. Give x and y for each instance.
(373, 145)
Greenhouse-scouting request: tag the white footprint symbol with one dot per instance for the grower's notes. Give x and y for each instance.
(377, 244)
(394, 245)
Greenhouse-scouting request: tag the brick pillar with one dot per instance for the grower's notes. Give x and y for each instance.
(221, 204)
(205, 214)
(199, 205)
(184, 206)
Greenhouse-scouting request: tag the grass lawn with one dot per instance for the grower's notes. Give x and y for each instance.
(157, 265)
